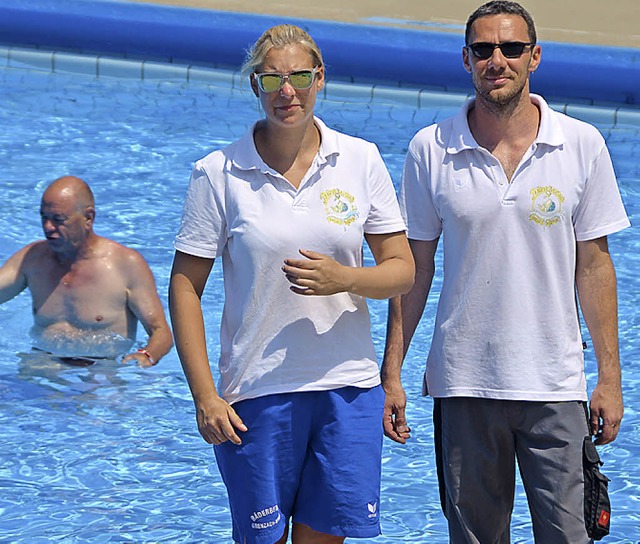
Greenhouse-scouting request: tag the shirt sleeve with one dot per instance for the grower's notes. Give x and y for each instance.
(416, 198)
(384, 213)
(600, 211)
(203, 229)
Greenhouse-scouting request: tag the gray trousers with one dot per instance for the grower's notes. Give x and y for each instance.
(477, 443)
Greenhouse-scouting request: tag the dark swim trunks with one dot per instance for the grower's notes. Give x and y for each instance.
(76, 361)
(73, 361)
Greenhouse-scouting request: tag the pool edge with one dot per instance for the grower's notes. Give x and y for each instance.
(356, 53)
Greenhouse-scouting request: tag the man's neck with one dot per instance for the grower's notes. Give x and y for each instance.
(491, 124)
(78, 253)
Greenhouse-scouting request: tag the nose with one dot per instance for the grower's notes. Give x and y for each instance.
(287, 89)
(48, 226)
(497, 58)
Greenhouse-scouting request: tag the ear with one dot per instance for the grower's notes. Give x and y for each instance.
(536, 56)
(466, 62)
(320, 79)
(90, 215)
(254, 85)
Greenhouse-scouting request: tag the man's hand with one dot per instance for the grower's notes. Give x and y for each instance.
(606, 410)
(393, 420)
(142, 357)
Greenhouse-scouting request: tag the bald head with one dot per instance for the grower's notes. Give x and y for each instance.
(71, 189)
(67, 212)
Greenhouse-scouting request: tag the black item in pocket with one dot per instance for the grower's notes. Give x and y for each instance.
(597, 509)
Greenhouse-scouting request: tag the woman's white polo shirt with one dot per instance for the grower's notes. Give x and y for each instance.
(272, 340)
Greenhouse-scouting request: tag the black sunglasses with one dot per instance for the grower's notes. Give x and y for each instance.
(511, 50)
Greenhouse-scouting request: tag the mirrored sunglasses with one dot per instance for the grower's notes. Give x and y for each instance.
(270, 82)
(511, 50)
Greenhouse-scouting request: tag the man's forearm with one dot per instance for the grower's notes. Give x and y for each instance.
(597, 293)
(406, 311)
(160, 342)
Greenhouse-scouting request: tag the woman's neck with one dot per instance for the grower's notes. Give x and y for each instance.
(289, 151)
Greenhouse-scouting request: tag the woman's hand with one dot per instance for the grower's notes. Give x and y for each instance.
(318, 274)
(218, 421)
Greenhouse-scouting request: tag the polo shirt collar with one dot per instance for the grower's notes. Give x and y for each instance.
(549, 133)
(329, 141)
(246, 156)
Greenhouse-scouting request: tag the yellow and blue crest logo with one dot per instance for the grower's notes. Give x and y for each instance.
(339, 207)
(546, 206)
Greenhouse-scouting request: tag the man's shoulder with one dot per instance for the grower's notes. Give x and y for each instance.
(434, 135)
(574, 128)
(35, 259)
(34, 252)
(119, 253)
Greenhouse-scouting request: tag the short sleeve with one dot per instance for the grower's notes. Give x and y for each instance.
(384, 213)
(600, 211)
(416, 200)
(202, 231)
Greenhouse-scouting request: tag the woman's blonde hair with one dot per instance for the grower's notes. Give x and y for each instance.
(280, 36)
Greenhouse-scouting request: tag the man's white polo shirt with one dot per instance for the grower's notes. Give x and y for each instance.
(272, 340)
(506, 326)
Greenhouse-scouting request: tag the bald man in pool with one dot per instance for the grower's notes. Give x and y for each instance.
(88, 292)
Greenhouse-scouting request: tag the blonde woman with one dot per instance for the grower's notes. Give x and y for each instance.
(296, 418)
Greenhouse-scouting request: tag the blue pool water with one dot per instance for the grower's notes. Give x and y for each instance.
(111, 453)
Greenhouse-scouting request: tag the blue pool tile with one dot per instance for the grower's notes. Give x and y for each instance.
(213, 77)
(164, 71)
(435, 99)
(628, 117)
(592, 114)
(71, 63)
(425, 117)
(410, 97)
(336, 90)
(241, 81)
(4, 56)
(122, 68)
(30, 58)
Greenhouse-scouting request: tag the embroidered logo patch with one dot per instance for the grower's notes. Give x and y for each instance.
(546, 206)
(339, 207)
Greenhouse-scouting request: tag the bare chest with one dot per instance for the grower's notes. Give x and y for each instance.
(510, 158)
(90, 295)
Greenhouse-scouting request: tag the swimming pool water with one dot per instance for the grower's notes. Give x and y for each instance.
(111, 453)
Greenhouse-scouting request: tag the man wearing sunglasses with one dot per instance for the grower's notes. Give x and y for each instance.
(525, 198)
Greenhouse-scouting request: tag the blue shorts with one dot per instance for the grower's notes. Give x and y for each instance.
(314, 457)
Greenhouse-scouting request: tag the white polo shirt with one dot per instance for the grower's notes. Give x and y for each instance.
(272, 340)
(506, 326)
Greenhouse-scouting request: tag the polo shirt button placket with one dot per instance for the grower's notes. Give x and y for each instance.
(505, 187)
(501, 180)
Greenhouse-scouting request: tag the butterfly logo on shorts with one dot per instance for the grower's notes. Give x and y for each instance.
(373, 509)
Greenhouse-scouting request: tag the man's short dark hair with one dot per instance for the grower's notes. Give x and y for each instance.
(501, 7)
